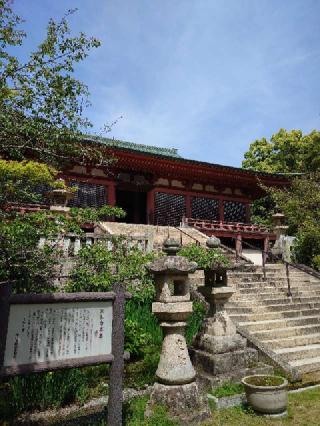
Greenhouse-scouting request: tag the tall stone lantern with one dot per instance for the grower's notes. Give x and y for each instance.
(176, 387)
(280, 229)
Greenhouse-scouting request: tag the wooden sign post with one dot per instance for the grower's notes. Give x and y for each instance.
(45, 332)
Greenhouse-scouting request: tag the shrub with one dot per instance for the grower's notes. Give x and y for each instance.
(142, 330)
(316, 262)
(98, 268)
(136, 339)
(307, 246)
(195, 321)
(43, 390)
(203, 256)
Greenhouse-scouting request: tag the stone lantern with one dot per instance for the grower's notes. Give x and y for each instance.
(60, 198)
(176, 387)
(216, 274)
(280, 229)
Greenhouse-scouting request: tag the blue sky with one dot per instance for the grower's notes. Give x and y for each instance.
(205, 76)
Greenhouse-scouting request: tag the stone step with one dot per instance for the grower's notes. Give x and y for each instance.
(238, 310)
(291, 342)
(276, 286)
(284, 281)
(249, 316)
(294, 276)
(280, 295)
(306, 365)
(269, 274)
(276, 324)
(299, 352)
(286, 332)
(278, 307)
(283, 300)
(236, 273)
(271, 300)
(247, 276)
(281, 282)
(278, 290)
(234, 375)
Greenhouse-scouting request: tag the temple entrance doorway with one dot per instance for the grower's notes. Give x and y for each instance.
(134, 203)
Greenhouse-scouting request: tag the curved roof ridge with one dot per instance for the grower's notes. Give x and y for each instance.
(118, 143)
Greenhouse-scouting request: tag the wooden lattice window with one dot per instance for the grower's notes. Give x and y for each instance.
(169, 208)
(88, 195)
(205, 208)
(234, 211)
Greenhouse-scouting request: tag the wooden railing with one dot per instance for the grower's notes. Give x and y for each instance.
(202, 224)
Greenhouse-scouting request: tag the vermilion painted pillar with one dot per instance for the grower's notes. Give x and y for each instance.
(112, 194)
(150, 207)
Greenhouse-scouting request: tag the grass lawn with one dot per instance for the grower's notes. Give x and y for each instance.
(303, 410)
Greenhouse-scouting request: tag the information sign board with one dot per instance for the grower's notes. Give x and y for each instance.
(40, 333)
(45, 332)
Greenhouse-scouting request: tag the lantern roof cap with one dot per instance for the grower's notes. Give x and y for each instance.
(171, 265)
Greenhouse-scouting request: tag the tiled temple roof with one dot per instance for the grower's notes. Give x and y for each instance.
(115, 143)
(172, 154)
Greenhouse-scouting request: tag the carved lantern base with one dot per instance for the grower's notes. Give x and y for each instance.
(184, 403)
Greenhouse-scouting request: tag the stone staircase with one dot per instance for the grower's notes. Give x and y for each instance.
(285, 329)
(156, 234)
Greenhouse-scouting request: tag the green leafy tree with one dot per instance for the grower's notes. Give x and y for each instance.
(19, 180)
(22, 262)
(41, 102)
(286, 152)
(32, 268)
(301, 205)
(41, 117)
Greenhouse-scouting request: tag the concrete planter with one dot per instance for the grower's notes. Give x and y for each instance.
(266, 399)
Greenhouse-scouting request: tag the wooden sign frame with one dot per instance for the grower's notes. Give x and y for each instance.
(118, 297)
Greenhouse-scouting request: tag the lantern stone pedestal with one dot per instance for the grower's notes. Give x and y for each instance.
(219, 353)
(176, 387)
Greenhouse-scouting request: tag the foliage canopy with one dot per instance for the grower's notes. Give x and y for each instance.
(286, 152)
(301, 205)
(41, 102)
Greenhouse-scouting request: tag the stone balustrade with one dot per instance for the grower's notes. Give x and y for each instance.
(70, 244)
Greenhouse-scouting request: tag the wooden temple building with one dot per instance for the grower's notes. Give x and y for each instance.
(157, 186)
